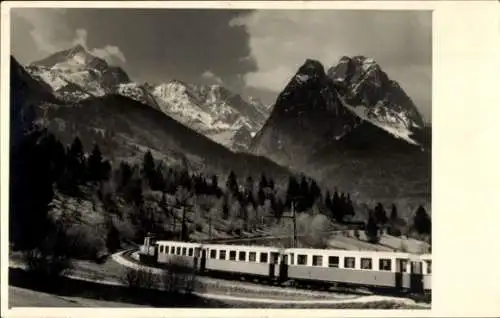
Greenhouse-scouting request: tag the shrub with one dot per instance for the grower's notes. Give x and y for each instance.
(394, 231)
(179, 278)
(318, 229)
(139, 278)
(46, 268)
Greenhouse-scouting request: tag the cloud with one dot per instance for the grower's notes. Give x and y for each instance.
(50, 32)
(208, 75)
(400, 41)
(46, 35)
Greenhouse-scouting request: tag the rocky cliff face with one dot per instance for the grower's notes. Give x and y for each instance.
(348, 125)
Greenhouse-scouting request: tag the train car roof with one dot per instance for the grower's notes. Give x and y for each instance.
(193, 244)
(349, 252)
(243, 247)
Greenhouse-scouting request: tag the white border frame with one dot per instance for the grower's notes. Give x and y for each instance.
(466, 56)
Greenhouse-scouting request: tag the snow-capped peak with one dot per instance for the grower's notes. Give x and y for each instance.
(75, 74)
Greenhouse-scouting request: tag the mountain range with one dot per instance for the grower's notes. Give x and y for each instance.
(349, 126)
(124, 129)
(212, 110)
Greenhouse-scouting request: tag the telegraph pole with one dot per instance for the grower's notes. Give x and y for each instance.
(294, 220)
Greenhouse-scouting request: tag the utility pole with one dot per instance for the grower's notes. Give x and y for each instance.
(294, 220)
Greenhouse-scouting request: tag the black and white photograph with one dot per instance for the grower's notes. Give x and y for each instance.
(220, 158)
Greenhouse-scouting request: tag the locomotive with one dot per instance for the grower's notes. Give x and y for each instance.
(390, 271)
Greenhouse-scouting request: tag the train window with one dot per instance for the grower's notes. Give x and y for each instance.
(285, 259)
(366, 263)
(184, 251)
(178, 251)
(252, 257)
(161, 249)
(349, 262)
(222, 255)
(384, 264)
(291, 258)
(242, 256)
(172, 250)
(301, 259)
(275, 257)
(232, 255)
(263, 257)
(197, 251)
(403, 265)
(429, 267)
(190, 251)
(317, 260)
(213, 253)
(167, 249)
(333, 261)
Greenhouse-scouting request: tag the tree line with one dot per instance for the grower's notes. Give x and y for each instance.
(41, 164)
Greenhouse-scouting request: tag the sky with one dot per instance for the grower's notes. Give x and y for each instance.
(252, 52)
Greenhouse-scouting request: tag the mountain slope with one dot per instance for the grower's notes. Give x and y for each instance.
(345, 128)
(126, 129)
(25, 93)
(75, 75)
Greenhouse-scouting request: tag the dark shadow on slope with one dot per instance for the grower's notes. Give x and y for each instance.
(148, 297)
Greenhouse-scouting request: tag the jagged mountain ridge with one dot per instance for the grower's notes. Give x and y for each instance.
(351, 128)
(125, 130)
(214, 111)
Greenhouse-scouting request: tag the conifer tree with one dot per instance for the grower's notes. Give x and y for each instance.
(422, 221)
(293, 191)
(95, 164)
(314, 192)
(380, 214)
(225, 209)
(31, 191)
(270, 183)
(261, 196)
(372, 229)
(76, 162)
(394, 213)
(263, 182)
(232, 183)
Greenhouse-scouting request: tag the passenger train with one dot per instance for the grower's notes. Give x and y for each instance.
(394, 271)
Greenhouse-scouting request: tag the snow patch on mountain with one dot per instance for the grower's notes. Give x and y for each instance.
(392, 125)
(75, 75)
(302, 78)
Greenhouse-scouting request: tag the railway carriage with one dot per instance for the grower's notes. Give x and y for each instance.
(374, 269)
(242, 259)
(181, 252)
(364, 268)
